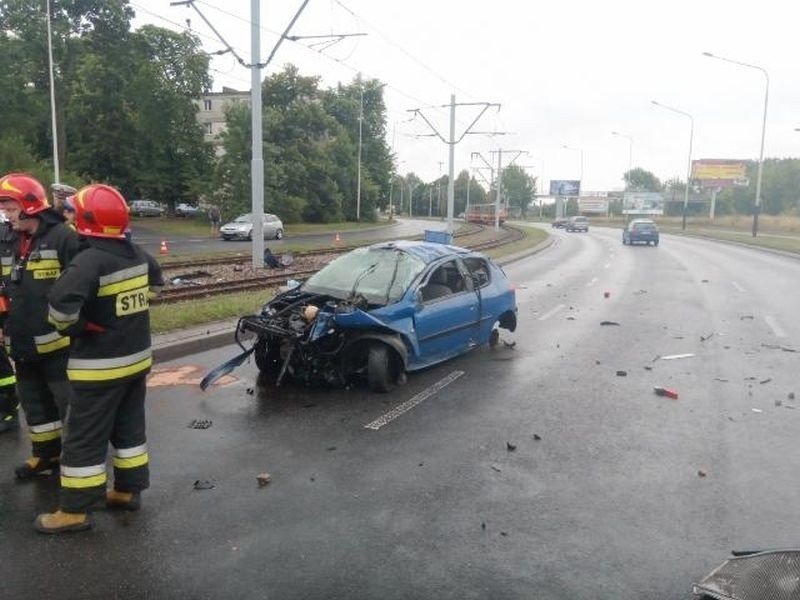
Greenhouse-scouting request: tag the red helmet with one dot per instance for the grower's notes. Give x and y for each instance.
(25, 191)
(100, 211)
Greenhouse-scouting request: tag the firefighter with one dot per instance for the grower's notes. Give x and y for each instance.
(102, 302)
(32, 259)
(9, 405)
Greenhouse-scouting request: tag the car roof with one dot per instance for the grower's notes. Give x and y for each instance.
(643, 221)
(427, 252)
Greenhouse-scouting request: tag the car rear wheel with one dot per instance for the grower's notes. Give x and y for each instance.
(379, 368)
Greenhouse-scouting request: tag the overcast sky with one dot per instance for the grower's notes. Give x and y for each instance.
(566, 72)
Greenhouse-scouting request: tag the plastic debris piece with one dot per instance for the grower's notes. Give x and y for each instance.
(496, 468)
(660, 391)
(203, 484)
(746, 318)
(789, 406)
(767, 380)
(622, 373)
(570, 318)
(648, 368)
(606, 294)
(676, 356)
(292, 283)
(263, 479)
(609, 323)
(510, 447)
(701, 473)
(791, 396)
(704, 281)
(778, 402)
(756, 410)
(537, 437)
(200, 424)
(705, 338)
(331, 448)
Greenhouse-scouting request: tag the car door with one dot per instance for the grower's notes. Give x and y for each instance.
(446, 315)
(269, 227)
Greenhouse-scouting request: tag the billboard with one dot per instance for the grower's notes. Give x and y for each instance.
(719, 173)
(642, 203)
(593, 204)
(565, 187)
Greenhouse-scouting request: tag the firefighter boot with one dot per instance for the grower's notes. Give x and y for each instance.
(62, 522)
(8, 421)
(37, 466)
(116, 500)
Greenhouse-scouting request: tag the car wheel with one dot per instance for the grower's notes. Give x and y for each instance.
(278, 234)
(267, 358)
(379, 368)
(655, 243)
(250, 236)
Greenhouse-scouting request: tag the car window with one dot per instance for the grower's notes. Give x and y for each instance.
(445, 280)
(479, 269)
(381, 275)
(644, 226)
(242, 219)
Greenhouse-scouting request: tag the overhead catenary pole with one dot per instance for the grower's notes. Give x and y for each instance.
(257, 161)
(54, 125)
(451, 142)
(689, 161)
(360, 127)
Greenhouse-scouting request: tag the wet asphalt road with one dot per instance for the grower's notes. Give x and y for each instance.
(146, 235)
(626, 494)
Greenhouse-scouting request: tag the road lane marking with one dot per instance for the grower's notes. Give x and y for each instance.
(776, 329)
(592, 282)
(738, 287)
(551, 312)
(409, 404)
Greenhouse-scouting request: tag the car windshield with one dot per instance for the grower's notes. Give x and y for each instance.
(381, 275)
(243, 219)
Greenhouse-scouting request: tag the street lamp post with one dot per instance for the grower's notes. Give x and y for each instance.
(689, 162)
(763, 131)
(630, 147)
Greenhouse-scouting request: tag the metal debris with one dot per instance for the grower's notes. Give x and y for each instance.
(746, 318)
(263, 479)
(609, 323)
(510, 447)
(622, 373)
(676, 356)
(537, 437)
(704, 338)
(767, 380)
(203, 484)
(701, 473)
(496, 468)
(720, 379)
(200, 424)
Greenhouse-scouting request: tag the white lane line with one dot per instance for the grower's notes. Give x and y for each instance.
(592, 282)
(409, 404)
(776, 329)
(738, 287)
(551, 312)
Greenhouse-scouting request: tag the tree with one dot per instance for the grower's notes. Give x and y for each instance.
(639, 180)
(519, 188)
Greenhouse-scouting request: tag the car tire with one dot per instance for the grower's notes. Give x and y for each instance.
(279, 234)
(267, 360)
(379, 368)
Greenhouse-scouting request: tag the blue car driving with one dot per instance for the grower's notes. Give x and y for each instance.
(640, 230)
(380, 311)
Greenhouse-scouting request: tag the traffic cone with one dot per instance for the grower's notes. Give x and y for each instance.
(336, 239)
(163, 249)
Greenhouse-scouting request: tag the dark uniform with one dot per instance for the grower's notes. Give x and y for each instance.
(102, 301)
(9, 405)
(30, 266)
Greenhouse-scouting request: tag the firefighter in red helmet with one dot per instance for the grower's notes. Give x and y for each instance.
(32, 258)
(102, 302)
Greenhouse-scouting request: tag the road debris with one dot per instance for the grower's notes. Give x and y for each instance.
(622, 373)
(639, 292)
(203, 484)
(604, 323)
(704, 281)
(791, 396)
(778, 402)
(661, 391)
(701, 473)
(510, 447)
(756, 410)
(537, 437)
(263, 479)
(648, 368)
(746, 318)
(200, 424)
(767, 380)
(570, 318)
(676, 356)
(778, 347)
(705, 338)
(496, 468)
(510, 344)
(606, 294)
(721, 379)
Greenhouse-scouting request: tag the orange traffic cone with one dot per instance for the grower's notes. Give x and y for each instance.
(336, 239)
(163, 249)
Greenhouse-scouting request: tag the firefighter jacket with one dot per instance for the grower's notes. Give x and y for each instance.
(30, 266)
(102, 300)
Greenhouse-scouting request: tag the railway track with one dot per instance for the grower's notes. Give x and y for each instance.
(191, 292)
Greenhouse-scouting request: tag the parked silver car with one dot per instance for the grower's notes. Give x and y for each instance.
(241, 228)
(146, 208)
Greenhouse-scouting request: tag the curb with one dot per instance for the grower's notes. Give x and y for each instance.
(177, 344)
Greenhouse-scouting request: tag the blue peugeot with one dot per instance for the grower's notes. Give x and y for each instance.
(380, 311)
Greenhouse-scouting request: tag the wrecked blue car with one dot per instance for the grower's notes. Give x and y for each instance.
(381, 311)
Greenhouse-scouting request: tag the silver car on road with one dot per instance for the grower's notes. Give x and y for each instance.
(241, 228)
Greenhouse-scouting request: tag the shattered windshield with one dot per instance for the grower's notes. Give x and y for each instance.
(381, 275)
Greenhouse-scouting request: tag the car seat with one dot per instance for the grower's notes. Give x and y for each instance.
(437, 285)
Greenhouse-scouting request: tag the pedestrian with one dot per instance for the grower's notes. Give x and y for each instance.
(215, 217)
(32, 258)
(102, 301)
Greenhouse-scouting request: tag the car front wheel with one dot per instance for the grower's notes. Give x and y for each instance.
(278, 234)
(379, 368)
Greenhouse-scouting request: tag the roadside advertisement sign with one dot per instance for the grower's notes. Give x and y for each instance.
(719, 173)
(565, 187)
(642, 203)
(593, 205)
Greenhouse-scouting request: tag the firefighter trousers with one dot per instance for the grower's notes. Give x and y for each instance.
(102, 413)
(8, 395)
(45, 394)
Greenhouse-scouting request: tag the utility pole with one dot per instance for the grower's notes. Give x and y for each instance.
(52, 96)
(497, 182)
(360, 126)
(452, 141)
